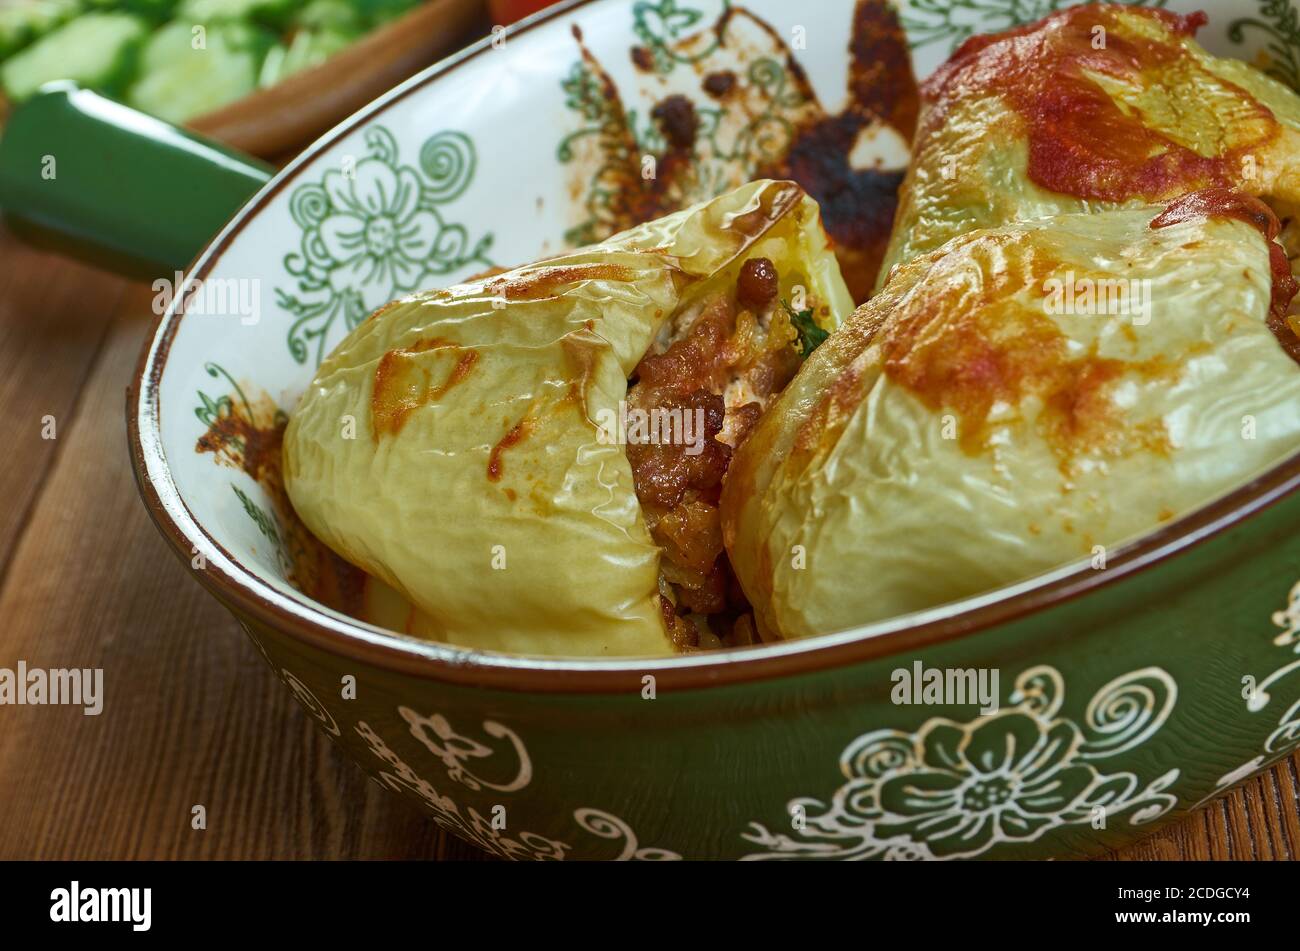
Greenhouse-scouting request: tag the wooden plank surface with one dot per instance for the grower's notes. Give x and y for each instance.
(191, 714)
(54, 317)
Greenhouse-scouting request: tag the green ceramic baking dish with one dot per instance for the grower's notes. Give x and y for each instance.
(1125, 696)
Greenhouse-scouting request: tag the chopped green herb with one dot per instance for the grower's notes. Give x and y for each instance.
(811, 336)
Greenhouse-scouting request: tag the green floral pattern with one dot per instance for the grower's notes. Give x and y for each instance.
(1284, 739)
(267, 525)
(956, 790)
(660, 26)
(210, 410)
(373, 230)
(622, 138)
(452, 750)
(1280, 22)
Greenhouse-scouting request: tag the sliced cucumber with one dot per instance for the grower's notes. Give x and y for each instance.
(272, 12)
(272, 70)
(177, 82)
(96, 49)
(312, 47)
(24, 21)
(383, 11)
(307, 49)
(321, 29)
(155, 10)
(341, 16)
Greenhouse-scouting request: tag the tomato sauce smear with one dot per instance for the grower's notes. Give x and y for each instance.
(1080, 141)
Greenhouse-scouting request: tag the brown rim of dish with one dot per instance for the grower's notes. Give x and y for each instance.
(242, 589)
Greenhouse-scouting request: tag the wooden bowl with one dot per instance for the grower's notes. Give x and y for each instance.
(303, 106)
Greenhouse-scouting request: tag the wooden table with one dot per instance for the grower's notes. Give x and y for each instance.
(191, 713)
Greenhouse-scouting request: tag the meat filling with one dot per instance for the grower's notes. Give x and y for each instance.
(708, 388)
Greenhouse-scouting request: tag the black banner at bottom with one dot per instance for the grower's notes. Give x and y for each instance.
(139, 900)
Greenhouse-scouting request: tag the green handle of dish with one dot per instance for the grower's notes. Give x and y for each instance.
(97, 179)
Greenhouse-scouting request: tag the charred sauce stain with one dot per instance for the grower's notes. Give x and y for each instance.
(719, 83)
(857, 204)
(1080, 141)
(544, 280)
(643, 59)
(1226, 203)
(518, 433)
(793, 68)
(237, 440)
(958, 352)
(403, 384)
(677, 121)
(582, 351)
(881, 81)
(250, 438)
(631, 197)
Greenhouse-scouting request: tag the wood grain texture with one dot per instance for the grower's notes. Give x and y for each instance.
(54, 315)
(191, 714)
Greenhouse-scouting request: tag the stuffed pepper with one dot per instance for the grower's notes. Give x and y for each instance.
(534, 460)
(1092, 107)
(1022, 397)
